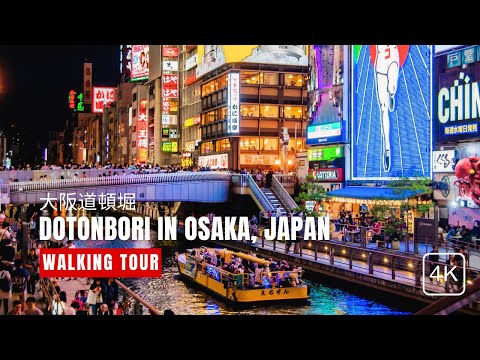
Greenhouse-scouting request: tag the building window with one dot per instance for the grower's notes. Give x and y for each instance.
(249, 110)
(298, 145)
(248, 77)
(222, 145)
(134, 112)
(134, 98)
(294, 112)
(269, 111)
(294, 80)
(222, 113)
(134, 144)
(214, 85)
(207, 147)
(269, 78)
(249, 143)
(269, 144)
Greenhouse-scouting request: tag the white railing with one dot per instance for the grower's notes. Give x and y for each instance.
(55, 174)
(118, 180)
(283, 195)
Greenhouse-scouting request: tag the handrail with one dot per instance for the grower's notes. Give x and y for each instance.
(258, 193)
(153, 309)
(450, 304)
(283, 195)
(118, 180)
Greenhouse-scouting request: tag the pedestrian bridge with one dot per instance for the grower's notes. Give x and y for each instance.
(211, 187)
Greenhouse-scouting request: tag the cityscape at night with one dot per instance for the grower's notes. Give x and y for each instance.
(240, 179)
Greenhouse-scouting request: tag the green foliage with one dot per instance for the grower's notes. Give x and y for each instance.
(394, 225)
(404, 186)
(311, 189)
(380, 212)
(424, 208)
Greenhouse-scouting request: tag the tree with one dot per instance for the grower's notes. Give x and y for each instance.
(407, 187)
(310, 190)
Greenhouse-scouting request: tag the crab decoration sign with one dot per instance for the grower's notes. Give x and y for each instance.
(467, 172)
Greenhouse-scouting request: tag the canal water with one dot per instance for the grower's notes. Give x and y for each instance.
(170, 292)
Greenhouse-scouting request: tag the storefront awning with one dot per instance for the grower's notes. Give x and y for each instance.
(370, 193)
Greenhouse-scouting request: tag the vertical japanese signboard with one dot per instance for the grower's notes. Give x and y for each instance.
(233, 124)
(170, 86)
(87, 83)
(142, 132)
(170, 90)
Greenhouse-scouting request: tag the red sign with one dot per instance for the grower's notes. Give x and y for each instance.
(196, 120)
(166, 105)
(327, 174)
(103, 98)
(142, 133)
(170, 51)
(71, 99)
(101, 263)
(170, 86)
(190, 79)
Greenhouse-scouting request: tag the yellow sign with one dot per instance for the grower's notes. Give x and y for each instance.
(190, 122)
(212, 56)
(173, 105)
(169, 146)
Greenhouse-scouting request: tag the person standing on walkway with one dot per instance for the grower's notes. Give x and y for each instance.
(20, 277)
(5, 288)
(95, 296)
(31, 265)
(433, 259)
(111, 293)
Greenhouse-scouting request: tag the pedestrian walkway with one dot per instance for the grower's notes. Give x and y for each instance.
(342, 261)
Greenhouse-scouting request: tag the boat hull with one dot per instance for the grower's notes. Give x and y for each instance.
(245, 296)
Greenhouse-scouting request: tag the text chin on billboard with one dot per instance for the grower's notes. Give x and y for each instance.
(392, 116)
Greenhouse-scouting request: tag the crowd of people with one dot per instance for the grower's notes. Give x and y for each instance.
(19, 278)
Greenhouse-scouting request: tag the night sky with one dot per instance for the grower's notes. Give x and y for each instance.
(35, 80)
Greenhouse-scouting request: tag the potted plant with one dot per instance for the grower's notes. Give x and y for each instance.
(392, 230)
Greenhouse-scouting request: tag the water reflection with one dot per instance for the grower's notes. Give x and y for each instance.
(170, 292)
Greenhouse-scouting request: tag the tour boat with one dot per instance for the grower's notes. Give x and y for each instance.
(276, 286)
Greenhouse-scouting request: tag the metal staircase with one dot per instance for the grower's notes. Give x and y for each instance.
(274, 201)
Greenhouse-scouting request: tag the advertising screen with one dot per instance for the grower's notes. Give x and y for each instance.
(456, 114)
(212, 56)
(140, 62)
(326, 133)
(326, 63)
(391, 109)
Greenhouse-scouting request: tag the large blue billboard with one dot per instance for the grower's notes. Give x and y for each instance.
(391, 109)
(456, 96)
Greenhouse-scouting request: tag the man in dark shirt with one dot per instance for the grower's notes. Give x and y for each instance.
(7, 255)
(20, 277)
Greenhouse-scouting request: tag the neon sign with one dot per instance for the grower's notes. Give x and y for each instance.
(142, 132)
